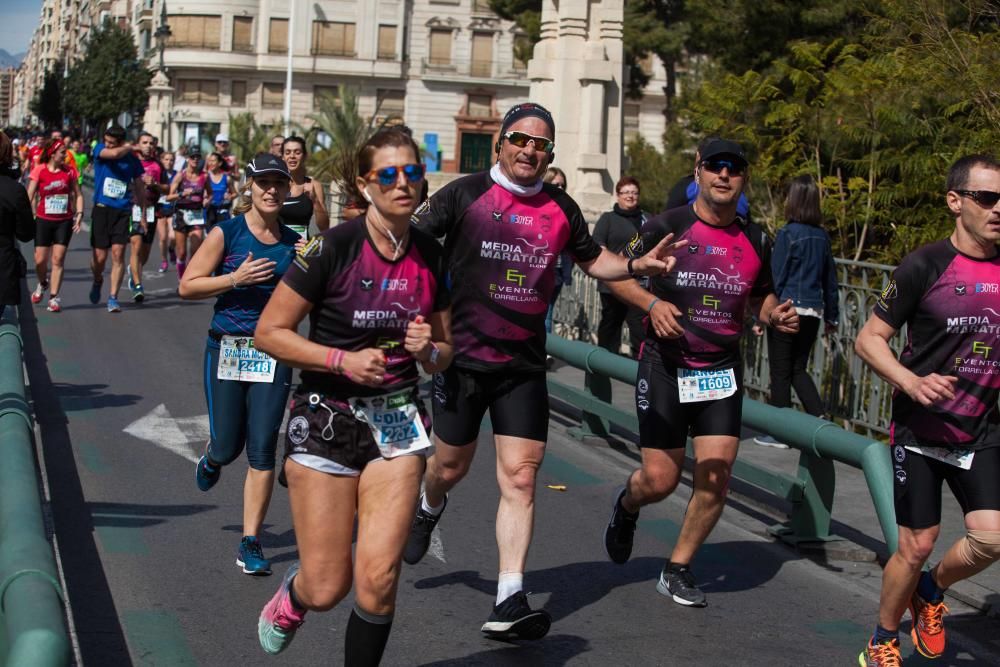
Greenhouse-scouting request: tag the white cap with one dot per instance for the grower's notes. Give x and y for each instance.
(221, 136)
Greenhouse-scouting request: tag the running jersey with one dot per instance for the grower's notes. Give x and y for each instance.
(197, 187)
(219, 190)
(80, 160)
(950, 304)
(502, 251)
(168, 178)
(113, 179)
(155, 171)
(364, 300)
(54, 190)
(297, 211)
(237, 311)
(715, 278)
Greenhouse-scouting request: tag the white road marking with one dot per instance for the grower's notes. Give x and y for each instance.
(436, 548)
(173, 434)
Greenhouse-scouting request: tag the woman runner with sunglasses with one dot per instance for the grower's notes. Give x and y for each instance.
(187, 190)
(357, 433)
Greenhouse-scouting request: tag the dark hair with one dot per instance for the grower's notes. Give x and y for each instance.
(144, 133)
(626, 180)
(218, 156)
(49, 148)
(958, 174)
(115, 132)
(6, 151)
(293, 140)
(802, 203)
(393, 137)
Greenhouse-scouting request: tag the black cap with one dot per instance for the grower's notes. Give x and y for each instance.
(527, 110)
(265, 163)
(719, 147)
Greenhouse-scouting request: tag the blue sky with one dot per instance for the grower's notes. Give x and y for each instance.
(20, 17)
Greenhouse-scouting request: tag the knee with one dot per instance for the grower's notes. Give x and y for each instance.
(520, 478)
(916, 549)
(713, 480)
(225, 450)
(375, 588)
(658, 484)
(451, 471)
(980, 548)
(321, 592)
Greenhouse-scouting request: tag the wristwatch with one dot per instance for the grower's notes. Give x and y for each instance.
(628, 267)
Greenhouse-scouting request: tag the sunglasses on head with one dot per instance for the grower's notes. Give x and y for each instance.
(521, 139)
(414, 173)
(985, 198)
(716, 166)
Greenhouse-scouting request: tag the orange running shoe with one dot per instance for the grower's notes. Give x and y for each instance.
(928, 626)
(881, 655)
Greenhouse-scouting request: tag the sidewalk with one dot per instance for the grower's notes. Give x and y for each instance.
(853, 514)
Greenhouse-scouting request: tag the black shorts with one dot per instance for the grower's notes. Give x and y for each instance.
(518, 405)
(917, 485)
(330, 431)
(135, 229)
(49, 232)
(216, 214)
(109, 226)
(666, 423)
(181, 226)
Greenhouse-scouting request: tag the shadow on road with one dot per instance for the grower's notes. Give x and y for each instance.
(84, 397)
(553, 650)
(131, 515)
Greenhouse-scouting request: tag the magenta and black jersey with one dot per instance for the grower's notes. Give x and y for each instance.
(951, 304)
(716, 276)
(363, 300)
(501, 254)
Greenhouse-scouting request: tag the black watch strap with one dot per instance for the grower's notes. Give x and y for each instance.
(629, 268)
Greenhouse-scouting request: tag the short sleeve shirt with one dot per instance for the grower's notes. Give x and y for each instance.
(717, 273)
(951, 305)
(54, 189)
(501, 253)
(364, 300)
(113, 179)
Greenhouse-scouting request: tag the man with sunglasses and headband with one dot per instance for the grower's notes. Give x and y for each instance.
(504, 231)
(945, 419)
(690, 373)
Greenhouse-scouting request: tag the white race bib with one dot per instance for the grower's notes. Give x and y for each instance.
(300, 230)
(695, 385)
(193, 218)
(113, 188)
(240, 360)
(960, 458)
(56, 204)
(394, 421)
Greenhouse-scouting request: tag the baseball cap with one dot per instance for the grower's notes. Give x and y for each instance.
(222, 136)
(717, 147)
(265, 163)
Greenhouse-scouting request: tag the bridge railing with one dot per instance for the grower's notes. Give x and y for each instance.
(820, 443)
(32, 624)
(851, 393)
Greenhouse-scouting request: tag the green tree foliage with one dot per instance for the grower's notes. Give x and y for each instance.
(527, 15)
(247, 137)
(109, 79)
(48, 101)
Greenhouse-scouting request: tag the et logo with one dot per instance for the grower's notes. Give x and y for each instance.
(710, 301)
(516, 277)
(979, 347)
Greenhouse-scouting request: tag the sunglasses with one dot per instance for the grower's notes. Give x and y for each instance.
(389, 175)
(521, 139)
(716, 167)
(985, 198)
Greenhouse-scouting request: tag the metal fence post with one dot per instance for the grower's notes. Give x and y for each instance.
(811, 514)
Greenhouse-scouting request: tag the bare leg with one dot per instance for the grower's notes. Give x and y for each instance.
(445, 469)
(518, 460)
(899, 579)
(714, 457)
(117, 267)
(58, 261)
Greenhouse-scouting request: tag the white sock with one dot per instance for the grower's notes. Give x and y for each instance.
(433, 511)
(509, 583)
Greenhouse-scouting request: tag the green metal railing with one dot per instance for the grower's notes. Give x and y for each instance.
(820, 443)
(32, 624)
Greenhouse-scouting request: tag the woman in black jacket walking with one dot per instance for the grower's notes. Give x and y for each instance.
(16, 221)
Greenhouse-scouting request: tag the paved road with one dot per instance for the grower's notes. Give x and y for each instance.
(149, 559)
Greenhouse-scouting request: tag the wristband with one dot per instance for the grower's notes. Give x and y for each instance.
(335, 360)
(435, 353)
(628, 267)
(232, 279)
(651, 304)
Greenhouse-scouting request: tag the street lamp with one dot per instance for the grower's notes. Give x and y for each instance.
(162, 33)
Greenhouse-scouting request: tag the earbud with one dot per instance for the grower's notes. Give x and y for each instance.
(246, 193)
(364, 193)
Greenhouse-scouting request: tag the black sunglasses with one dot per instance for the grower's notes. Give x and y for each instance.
(521, 139)
(716, 166)
(985, 198)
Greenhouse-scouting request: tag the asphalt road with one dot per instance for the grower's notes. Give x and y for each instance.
(149, 559)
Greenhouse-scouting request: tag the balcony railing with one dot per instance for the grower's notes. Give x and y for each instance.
(477, 69)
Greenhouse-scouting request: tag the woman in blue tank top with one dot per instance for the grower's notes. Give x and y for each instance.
(240, 263)
(220, 190)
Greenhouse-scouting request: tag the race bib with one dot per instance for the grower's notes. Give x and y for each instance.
(136, 214)
(394, 421)
(151, 214)
(301, 230)
(56, 204)
(697, 385)
(240, 360)
(193, 218)
(960, 458)
(113, 188)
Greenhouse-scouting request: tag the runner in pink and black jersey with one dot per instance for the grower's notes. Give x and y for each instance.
(945, 419)
(690, 378)
(504, 231)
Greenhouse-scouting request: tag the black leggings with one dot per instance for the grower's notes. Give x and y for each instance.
(788, 355)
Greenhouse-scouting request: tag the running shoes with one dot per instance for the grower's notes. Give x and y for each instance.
(420, 533)
(620, 531)
(250, 557)
(514, 619)
(881, 655)
(279, 619)
(677, 583)
(113, 305)
(928, 626)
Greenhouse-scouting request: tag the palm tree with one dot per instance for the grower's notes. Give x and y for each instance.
(247, 137)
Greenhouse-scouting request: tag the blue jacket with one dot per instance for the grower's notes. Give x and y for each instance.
(803, 269)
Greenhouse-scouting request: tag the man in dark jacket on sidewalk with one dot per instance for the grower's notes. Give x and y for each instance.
(613, 231)
(16, 221)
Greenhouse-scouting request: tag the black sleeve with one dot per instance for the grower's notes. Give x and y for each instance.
(900, 298)
(652, 232)
(309, 272)
(601, 230)
(581, 244)
(438, 214)
(764, 284)
(433, 254)
(24, 221)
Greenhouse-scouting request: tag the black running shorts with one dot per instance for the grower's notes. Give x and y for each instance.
(148, 236)
(49, 232)
(109, 226)
(518, 405)
(666, 423)
(917, 485)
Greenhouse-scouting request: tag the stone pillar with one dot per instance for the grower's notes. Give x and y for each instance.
(157, 117)
(576, 72)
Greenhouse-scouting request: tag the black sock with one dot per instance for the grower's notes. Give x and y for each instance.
(366, 638)
(293, 598)
(882, 635)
